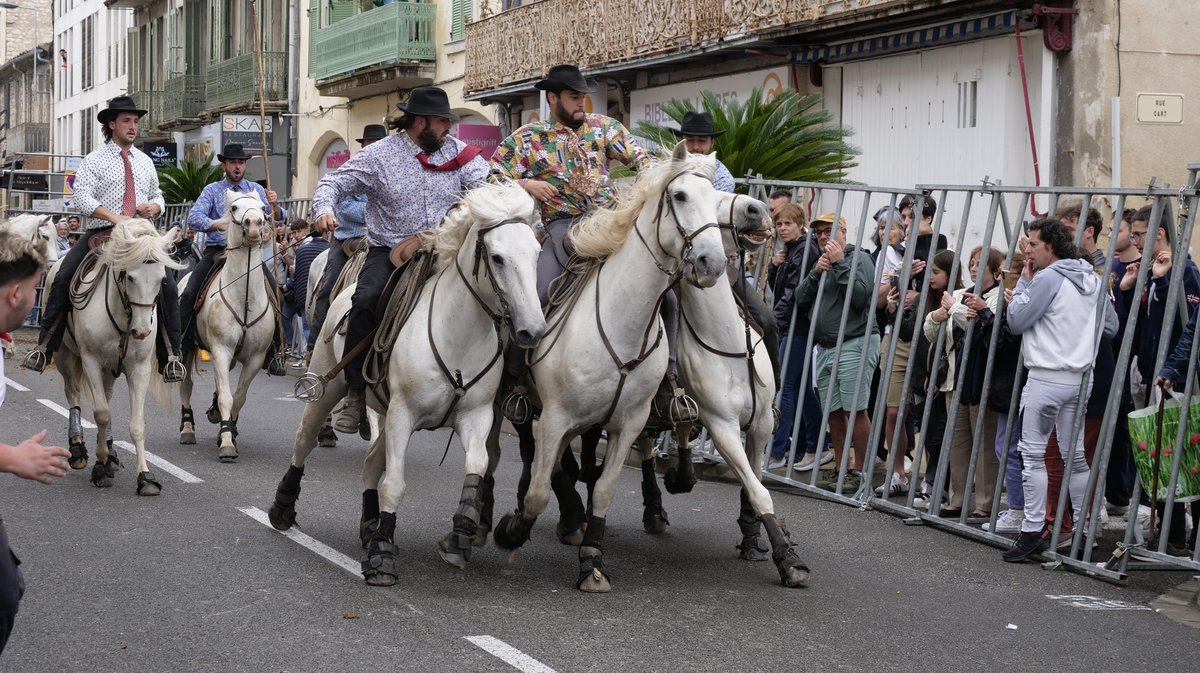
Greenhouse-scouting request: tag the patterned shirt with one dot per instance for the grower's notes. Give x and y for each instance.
(723, 179)
(100, 181)
(211, 206)
(574, 163)
(351, 214)
(403, 197)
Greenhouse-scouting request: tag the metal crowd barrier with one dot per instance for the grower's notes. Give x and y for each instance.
(993, 215)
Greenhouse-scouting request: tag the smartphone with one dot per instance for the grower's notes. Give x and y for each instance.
(1010, 278)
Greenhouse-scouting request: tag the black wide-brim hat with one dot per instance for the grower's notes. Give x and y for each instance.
(428, 101)
(565, 77)
(233, 151)
(373, 132)
(116, 106)
(698, 124)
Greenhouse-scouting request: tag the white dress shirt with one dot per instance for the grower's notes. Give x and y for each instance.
(100, 181)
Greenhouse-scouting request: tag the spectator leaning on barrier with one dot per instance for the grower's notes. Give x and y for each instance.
(64, 241)
(1121, 471)
(1054, 309)
(798, 257)
(841, 270)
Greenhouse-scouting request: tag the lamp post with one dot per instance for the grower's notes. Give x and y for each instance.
(33, 88)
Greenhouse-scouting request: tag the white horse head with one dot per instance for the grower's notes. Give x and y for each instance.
(139, 255)
(244, 219)
(682, 231)
(35, 228)
(497, 219)
(745, 222)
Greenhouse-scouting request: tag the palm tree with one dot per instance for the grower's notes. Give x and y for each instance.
(183, 184)
(786, 138)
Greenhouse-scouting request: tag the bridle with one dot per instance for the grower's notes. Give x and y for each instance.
(244, 320)
(82, 293)
(241, 222)
(665, 203)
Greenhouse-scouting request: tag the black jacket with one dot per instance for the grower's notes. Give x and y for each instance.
(802, 255)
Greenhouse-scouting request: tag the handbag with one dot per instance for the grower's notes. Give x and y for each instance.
(1152, 431)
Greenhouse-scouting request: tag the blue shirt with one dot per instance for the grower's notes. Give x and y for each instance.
(723, 179)
(351, 214)
(211, 206)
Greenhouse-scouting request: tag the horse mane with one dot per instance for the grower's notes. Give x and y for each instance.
(486, 204)
(134, 242)
(601, 232)
(30, 226)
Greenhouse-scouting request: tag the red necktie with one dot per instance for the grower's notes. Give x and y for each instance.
(466, 155)
(129, 203)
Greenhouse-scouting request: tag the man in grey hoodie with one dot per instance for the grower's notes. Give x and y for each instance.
(1054, 309)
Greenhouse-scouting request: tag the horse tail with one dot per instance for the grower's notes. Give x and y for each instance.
(166, 395)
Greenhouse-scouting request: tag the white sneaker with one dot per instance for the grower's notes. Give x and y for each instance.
(777, 463)
(897, 486)
(809, 461)
(1009, 521)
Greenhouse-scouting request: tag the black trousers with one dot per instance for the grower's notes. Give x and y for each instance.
(764, 317)
(334, 263)
(12, 587)
(364, 309)
(187, 302)
(57, 301)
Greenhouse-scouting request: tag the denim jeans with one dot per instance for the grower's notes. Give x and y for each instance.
(810, 406)
(1012, 468)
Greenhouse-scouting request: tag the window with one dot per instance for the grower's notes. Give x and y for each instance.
(87, 74)
(86, 130)
(460, 14)
(967, 97)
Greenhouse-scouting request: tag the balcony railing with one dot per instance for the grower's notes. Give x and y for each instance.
(511, 47)
(27, 138)
(235, 81)
(152, 101)
(400, 31)
(184, 98)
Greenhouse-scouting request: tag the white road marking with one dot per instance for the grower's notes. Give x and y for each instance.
(289, 398)
(159, 462)
(15, 386)
(1096, 603)
(162, 464)
(59, 409)
(509, 654)
(317, 547)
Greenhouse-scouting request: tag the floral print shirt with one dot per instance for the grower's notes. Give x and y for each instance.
(575, 162)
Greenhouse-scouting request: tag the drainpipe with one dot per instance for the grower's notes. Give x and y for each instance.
(293, 88)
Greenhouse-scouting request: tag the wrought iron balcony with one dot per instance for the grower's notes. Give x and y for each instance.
(152, 101)
(400, 34)
(184, 99)
(26, 138)
(520, 44)
(234, 82)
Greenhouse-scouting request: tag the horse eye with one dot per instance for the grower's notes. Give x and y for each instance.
(497, 260)
(681, 197)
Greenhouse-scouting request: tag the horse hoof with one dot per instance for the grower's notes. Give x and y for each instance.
(327, 438)
(753, 549)
(282, 517)
(380, 579)
(595, 582)
(102, 476)
(792, 571)
(380, 569)
(214, 415)
(114, 463)
(677, 481)
(147, 485)
(452, 554)
(79, 456)
(187, 437)
(513, 531)
(227, 454)
(366, 531)
(654, 520)
(481, 536)
(572, 538)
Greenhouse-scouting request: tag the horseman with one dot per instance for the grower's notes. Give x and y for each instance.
(351, 216)
(410, 180)
(205, 217)
(698, 132)
(114, 182)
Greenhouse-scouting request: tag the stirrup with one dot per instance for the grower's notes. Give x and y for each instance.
(277, 365)
(36, 360)
(683, 408)
(516, 407)
(309, 388)
(172, 370)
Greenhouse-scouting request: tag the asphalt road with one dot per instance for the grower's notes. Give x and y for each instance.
(188, 581)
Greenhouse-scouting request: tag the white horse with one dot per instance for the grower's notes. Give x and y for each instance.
(112, 301)
(608, 354)
(237, 322)
(32, 226)
(445, 369)
(316, 271)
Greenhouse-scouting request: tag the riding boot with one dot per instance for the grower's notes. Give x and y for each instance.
(58, 305)
(274, 361)
(352, 413)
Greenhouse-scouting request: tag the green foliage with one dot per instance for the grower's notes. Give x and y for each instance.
(787, 138)
(183, 183)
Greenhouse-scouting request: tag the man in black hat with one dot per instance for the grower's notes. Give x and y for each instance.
(352, 229)
(116, 181)
(698, 132)
(205, 217)
(563, 162)
(410, 180)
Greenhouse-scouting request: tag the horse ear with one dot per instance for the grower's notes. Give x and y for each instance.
(680, 152)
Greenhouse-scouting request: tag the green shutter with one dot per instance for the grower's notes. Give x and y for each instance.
(341, 9)
(134, 64)
(217, 30)
(460, 14)
(314, 27)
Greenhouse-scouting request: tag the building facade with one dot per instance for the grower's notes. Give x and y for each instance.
(25, 102)
(90, 67)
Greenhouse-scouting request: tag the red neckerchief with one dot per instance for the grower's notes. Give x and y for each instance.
(468, 153)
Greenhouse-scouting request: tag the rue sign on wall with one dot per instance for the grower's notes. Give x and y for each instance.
(1160, 108)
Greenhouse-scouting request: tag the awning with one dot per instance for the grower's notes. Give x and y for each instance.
(918, 38)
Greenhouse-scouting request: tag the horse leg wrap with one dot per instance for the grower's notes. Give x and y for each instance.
(527, 445)
(381, 568)
(681, 477)
(368, 523)
(591, 551)
(185, 417)
(654, 517)
(214, 414)
(487, 502)
(792, 571)
(457, 543)
(228, 454)
(752, 547)
(513, 530)
(570, 507)
(75, 425)
(283, 511)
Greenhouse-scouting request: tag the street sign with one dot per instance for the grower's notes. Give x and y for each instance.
(162, 152)
(30, 182)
